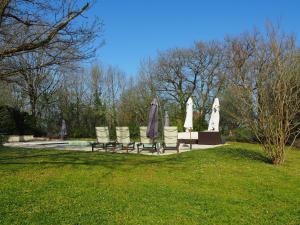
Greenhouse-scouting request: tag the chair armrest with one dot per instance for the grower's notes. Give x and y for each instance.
(131, 143)
(139, 144)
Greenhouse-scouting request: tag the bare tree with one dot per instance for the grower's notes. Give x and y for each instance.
(6, 94)
(43, 25)
(37, 76)
(97, 94)
(115, 83)
(265, 83)
(176, 81)
(134, 102)
(196, 71)
(207, 64)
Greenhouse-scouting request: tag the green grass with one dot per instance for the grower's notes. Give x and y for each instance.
(227, 185)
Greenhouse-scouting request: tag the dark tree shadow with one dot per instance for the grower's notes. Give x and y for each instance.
(60, 158)
(242, 153)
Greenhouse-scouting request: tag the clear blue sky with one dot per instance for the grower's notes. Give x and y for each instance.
(137, 29)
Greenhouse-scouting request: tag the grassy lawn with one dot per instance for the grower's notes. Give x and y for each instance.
(227, 185)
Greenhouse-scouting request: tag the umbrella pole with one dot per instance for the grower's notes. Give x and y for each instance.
(161, 119)
(190, 139)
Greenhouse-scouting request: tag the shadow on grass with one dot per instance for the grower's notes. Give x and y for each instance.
(63, 158)
(130, 161)
(241, 153)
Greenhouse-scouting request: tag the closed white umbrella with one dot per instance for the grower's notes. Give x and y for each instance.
(188, 124)
(215, 116)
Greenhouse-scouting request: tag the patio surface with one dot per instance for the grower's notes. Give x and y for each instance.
(83, 146)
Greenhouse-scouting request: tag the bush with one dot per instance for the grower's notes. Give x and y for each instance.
(240, 134)
(13, 121)
(3, 139)
(200, 124)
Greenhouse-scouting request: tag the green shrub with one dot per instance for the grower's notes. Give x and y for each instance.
(13, 121)
(200, 124)
(240, 134)
(3, 139)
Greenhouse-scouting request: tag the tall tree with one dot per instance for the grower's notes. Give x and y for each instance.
(35, 81)
(207, 63)
(265, 82)
(115, 83)
(97, 88)
(176, 81)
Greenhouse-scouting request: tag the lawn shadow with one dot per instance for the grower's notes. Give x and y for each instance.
(242, 153)
(64, 157)
(60, 158)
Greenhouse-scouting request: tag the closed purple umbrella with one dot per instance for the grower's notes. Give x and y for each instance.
(152, 128)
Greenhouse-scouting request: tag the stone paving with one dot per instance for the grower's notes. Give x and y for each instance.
(86, 146)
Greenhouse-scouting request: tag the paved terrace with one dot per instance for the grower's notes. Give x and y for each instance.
(85, 146)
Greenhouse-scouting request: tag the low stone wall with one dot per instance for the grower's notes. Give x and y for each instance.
(19, 138)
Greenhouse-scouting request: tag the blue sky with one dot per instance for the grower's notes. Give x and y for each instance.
(135, 30)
